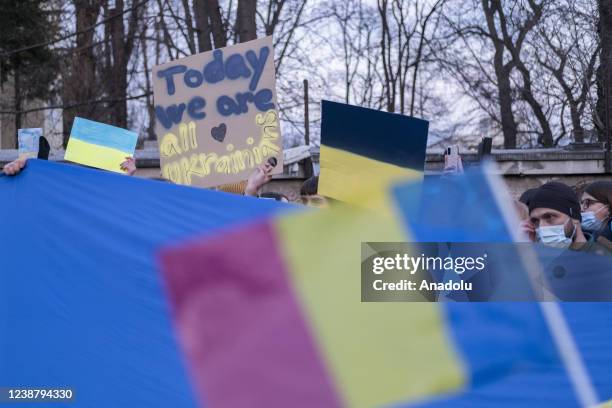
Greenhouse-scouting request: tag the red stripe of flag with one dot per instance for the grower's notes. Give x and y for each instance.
(240, 326)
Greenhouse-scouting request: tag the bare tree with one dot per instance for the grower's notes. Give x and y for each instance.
(147, 87)
(403, 37)
(121, 44)
(498, 65)
(503, 70)
(522, 70)
(349, 19)
(191, 40)
(79, 77)
(202, 25)
(246, 25)
(514, 41)
(570, 56)
(603, 117)
(218, 26)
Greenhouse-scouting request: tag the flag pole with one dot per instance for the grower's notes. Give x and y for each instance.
(553, 315)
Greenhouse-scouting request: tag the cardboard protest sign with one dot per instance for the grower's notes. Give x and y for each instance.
(216, 114)
(29, 140)
(99, 145)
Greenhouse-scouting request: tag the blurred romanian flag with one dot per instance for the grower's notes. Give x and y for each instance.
(269, 314)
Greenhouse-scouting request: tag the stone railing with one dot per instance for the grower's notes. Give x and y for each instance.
(522, 169)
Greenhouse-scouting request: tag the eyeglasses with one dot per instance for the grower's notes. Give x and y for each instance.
(587, 202)
(314, 201)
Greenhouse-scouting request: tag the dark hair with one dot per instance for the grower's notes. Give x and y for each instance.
(276, 196)
(601, 191)
(160, 179)
(310, 186)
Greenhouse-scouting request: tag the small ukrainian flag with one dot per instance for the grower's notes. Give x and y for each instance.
(99, 145)
(364, 151)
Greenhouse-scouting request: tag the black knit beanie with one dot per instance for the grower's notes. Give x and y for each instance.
(526, 196)
(556, 196)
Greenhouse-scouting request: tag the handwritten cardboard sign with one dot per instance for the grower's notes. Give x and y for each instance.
(216, 114)
(29, 140)
(99, 145)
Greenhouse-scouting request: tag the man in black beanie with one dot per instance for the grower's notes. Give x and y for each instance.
(554, 216)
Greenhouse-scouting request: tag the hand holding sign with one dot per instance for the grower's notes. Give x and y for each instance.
(259, 177)
(129, 166)
(216, 114)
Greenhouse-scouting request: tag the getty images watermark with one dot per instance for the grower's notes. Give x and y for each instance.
(481, 272)
(403, 272)
(413, 264)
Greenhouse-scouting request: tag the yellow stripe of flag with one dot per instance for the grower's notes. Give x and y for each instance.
(357, 179)
(94, 155)
(379, 353)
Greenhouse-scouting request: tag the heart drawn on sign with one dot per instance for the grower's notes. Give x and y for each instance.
(218, 133)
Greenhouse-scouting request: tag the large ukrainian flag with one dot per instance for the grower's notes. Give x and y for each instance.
(278, 330)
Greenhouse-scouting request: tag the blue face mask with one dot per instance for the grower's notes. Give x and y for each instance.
(590, 222)
(554, 236)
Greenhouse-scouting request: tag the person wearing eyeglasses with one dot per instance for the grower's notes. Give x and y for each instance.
(555, 219)
(596, 215)
(309, 194)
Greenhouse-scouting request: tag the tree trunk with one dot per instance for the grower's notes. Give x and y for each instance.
(201, 13)
(246, 25)
(527, 93)
(504, 89)
(578, 130)
(190, 31)
(385, 46)
(148, 88)
(604, 72)
(79, 78)
(514, 47)
(122, 47)
(118, 82)
(216, 23)
(502, 74)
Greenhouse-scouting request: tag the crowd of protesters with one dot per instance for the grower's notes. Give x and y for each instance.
(553, 214)
(560, 216)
